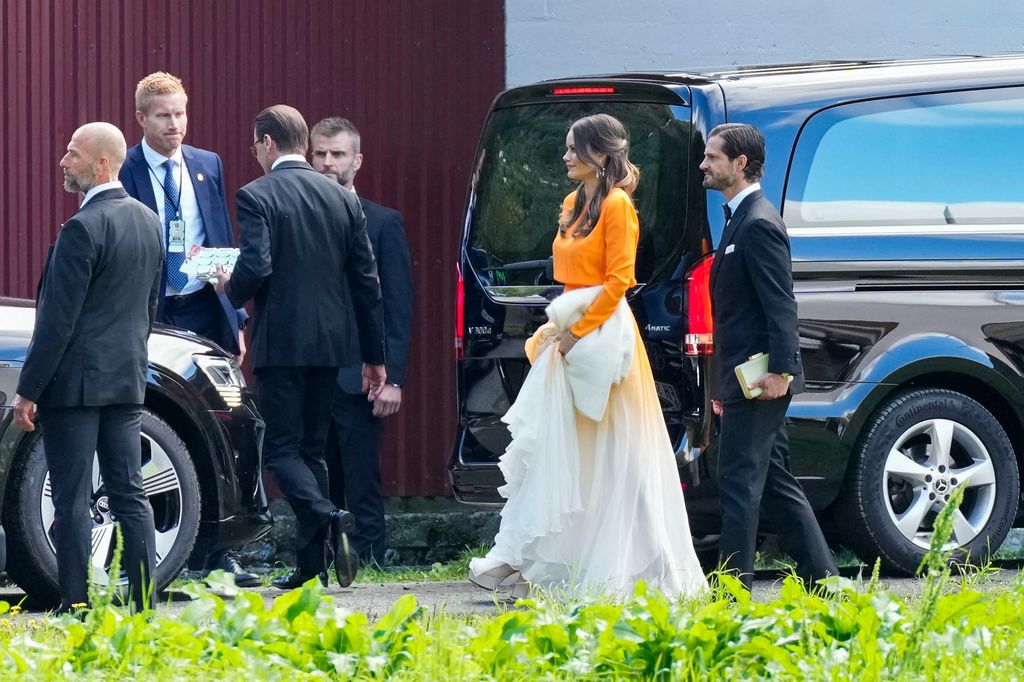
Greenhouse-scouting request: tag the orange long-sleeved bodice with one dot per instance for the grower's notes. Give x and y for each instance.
(606, 256)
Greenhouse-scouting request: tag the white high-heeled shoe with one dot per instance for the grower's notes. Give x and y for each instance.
(484, 573)
(521, 589)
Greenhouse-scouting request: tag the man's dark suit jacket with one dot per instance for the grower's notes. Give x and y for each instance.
(97, 303)
(207, 174)
(387, 237)
(753, 307)
(302, 236)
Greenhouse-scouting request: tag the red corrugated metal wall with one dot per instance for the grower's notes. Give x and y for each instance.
(415, 77)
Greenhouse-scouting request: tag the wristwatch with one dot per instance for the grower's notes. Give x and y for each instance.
(391, 383)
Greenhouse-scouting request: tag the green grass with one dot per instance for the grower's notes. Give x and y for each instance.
(846, 631)
(376, 574)
(438, 572)
(960, 627)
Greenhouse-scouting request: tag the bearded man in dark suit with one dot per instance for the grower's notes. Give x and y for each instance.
(353, 452)
(303, 239)
(754, 311)
(86, 364)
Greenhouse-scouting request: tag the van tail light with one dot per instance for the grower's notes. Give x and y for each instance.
(460, 309)
(699, 338)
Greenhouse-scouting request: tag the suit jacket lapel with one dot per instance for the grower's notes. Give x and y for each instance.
(729, 233)
(143, 182)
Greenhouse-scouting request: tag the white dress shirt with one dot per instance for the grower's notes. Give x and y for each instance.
(287, 157)
(735, 202)
(195, 232)
(100, 188)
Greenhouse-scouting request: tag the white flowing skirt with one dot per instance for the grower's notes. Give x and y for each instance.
(593, 504)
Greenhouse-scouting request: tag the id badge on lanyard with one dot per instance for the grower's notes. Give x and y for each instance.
(176, 236)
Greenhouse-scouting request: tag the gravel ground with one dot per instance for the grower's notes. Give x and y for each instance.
(461, 597)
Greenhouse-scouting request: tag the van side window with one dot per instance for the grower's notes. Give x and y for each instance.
(925, 160)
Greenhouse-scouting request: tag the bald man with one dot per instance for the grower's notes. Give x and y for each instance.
(85, 369)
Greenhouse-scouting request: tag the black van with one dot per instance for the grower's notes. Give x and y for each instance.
(902, 187)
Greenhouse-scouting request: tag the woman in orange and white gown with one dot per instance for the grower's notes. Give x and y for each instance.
(594, 501)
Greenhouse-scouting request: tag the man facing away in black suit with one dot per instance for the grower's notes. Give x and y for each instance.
(754, 311)
(184, 185)
(86, 364)
(353, 453)
(302, 237)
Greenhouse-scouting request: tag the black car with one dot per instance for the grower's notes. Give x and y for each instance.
(201, 452)
(901, 188)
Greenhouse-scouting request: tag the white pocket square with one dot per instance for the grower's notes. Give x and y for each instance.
(729, 249)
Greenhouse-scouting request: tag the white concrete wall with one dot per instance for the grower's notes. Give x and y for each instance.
(551, 38)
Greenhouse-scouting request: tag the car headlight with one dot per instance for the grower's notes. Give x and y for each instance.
(225, 375)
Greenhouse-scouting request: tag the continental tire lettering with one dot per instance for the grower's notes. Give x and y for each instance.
(923, 407)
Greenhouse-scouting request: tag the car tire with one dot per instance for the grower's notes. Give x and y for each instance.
(171, 484)
(913, 453)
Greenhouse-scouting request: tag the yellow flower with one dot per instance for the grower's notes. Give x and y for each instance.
(15, 609)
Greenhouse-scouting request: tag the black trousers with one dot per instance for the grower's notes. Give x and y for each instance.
(754, 478)
(70, 437)
(353, 462)
(296, 404)
(202, 313)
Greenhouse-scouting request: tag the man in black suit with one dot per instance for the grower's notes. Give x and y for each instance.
(353, 454)
(86, 364)
(184, 185)
(754, 311)
(302, 237)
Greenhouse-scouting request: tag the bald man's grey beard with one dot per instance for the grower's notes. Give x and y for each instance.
(75, 183)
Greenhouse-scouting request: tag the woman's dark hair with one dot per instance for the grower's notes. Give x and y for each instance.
(741, 138)
(285, 126)
(593, 136)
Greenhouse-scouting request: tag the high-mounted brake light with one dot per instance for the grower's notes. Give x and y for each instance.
(460, 308)
(590, 90)
(699, 337)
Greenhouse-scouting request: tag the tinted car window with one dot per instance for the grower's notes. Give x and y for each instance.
(926, 160)
(521, 182)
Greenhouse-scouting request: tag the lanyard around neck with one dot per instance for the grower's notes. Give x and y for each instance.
(176, 205)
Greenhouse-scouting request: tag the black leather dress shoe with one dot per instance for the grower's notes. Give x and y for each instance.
(346, 562)
(227, 561)
(298, 579)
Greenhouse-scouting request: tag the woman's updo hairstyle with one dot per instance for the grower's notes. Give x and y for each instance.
(594, 136)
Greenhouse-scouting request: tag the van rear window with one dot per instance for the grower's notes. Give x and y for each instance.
(520, 183)
(927, 160)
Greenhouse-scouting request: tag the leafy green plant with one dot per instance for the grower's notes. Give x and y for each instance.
(961, 627)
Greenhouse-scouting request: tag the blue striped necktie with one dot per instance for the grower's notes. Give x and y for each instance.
(172, 202)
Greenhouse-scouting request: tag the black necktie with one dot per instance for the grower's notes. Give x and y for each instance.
(727, 211)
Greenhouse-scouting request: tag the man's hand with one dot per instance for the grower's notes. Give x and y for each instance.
(388, 402)
(565, 343)
(374, 379)
(222, 279)
(24, 413)
(241, 348)
(772, 386)
(717, 407)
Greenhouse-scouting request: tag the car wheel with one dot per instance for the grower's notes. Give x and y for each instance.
(915, 451)
(170, 481)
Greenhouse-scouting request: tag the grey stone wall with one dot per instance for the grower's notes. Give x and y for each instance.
(420, 531)
(551, 38)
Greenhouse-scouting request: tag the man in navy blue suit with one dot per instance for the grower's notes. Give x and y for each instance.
(185, 187)
(353, 453)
